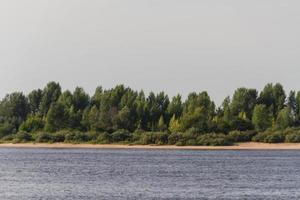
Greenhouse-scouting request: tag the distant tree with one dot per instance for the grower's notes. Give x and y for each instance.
(244, 101)
(262, 118)
(14, 109)
(122, 119)
(161, 124)
(273, 97)
(80, 99)
(284, 119)
(51, 94)
(57, 118)
(297, 108)
(66, 99)
(35, 98)
(175, 107)
(32, 124)
(174, 125)
(96, 98)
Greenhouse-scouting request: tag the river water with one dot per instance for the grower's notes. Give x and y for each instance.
(148, 174)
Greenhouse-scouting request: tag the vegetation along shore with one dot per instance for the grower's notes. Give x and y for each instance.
(123, 116)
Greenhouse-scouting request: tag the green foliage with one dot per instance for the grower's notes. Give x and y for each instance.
(76, 137)
(6, 129)
(44, 137)
(121, 135)
(284, 119)
(104, 138)
(213, 139)
(22, 137)
(243, 100)
(159, 138)
(269, 137)
(32, 124)
(241, 136)
(57, 118)
(51, 94)
(174, 125)
(262, 118)
(293, 137)
(113, 115)
(161, 124)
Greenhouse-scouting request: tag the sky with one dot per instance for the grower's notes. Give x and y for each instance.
(176, 46)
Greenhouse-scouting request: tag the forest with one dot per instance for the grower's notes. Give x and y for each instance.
(123, 115)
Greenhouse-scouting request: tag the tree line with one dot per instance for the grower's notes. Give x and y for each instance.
(122, 114)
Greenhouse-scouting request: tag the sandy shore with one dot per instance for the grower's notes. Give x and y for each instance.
(240, 146)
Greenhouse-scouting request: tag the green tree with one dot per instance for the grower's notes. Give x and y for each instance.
(57, 118)
(80, 99)
(273, 97)
(161, 124)
(243, 101)
(51, 94)
(262, 118)
(174, 125)
(175, 107)
(32, 124)
(35, 98)
(284, 119)
(14, 109)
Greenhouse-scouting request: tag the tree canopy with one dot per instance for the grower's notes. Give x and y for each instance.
(121, 108)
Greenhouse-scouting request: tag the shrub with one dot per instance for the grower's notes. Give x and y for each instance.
(6, 129)
(269, 137)
(104, 138)
(188, 138)
(7, 138)
(213, 139)
(76, 137)
(174, 138)
(241, 136)
(58, 137)
(121, 135)
(293, 137)
(44, 137)
(276, 137)
(32, 124)
(92, 135)
(260, 137)
(22, 137)
(159, 138)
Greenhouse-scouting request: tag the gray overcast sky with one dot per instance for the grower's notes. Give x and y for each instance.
(178, 46)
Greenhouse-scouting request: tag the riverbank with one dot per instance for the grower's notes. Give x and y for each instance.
(239, 146)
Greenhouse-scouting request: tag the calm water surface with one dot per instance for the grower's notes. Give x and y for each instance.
(148, 174)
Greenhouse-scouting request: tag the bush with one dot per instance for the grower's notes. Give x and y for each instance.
(6, 129)
(22, 137)
(43, 137)
(159, 138)
(32, 124)
(104, 138)
(76, 137)
(269, 137)
(260, 137)
(121, 136)
(7, 138)
(50, 137)
(213, 139)
(174, 138)
(293, 137)
(276, 137)
(241, 136)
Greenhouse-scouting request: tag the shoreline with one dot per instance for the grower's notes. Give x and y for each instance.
(238, 146)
